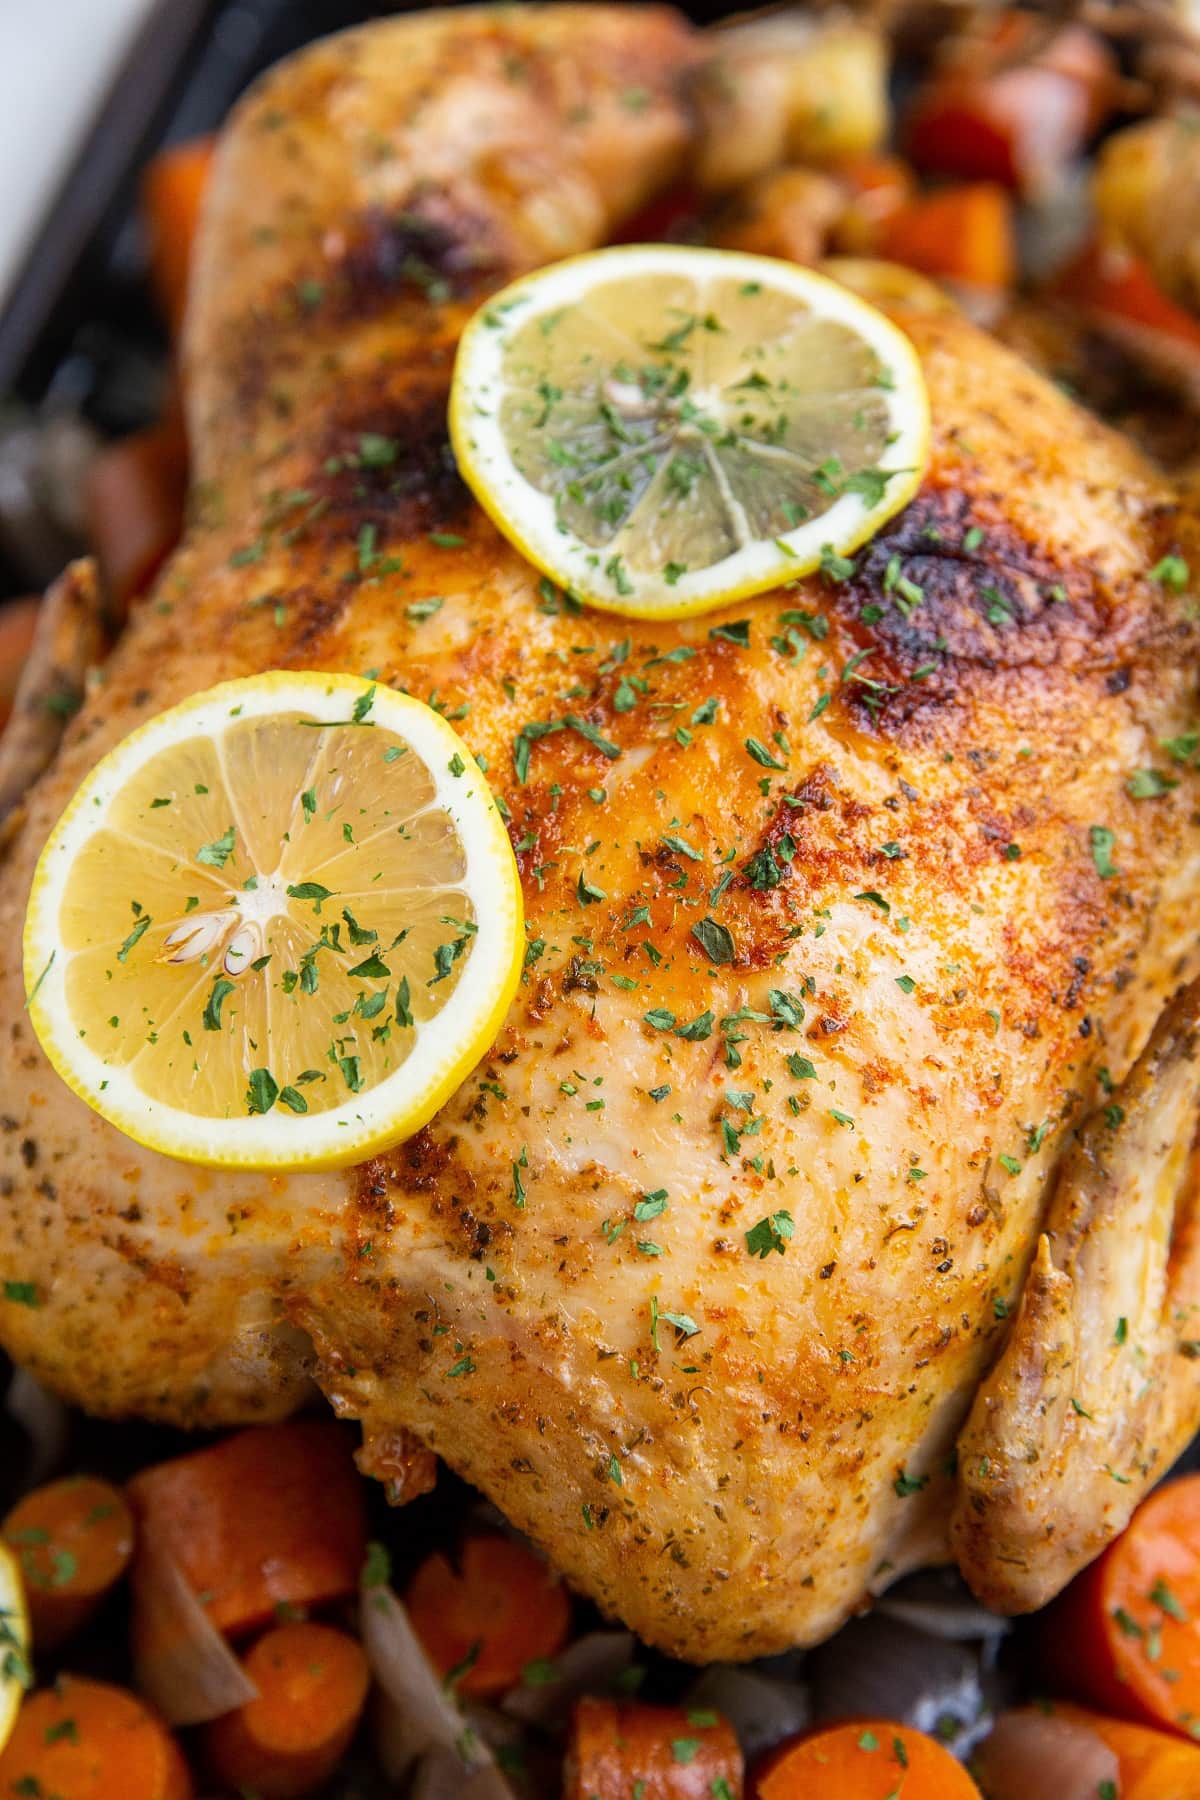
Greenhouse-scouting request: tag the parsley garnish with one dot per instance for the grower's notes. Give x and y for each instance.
(263, 1091)
(217, 854)
(1102, 841)
(715, 940)
(212, 1008)
(771, 1233)
(1171, 572)
(139, 931)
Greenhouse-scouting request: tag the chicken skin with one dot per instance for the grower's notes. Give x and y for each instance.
(699, 1272)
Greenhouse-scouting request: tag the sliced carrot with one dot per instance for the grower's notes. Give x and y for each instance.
(1109, 283)
(965, 233)
(173, 189)
(486, 1617)
(18, 621)
(871, 1759)
(662, 218)
(1155, 1765)
(273, 1515)
(878, 187)
(618, 1748)
(87, 1740)
(1125, 1636)
(73, 1540)
(312, 1684)
(134, 495)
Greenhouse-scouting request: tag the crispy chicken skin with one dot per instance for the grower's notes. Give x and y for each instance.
(950, 915)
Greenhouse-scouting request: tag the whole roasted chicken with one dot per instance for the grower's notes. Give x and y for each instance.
(741, 1285)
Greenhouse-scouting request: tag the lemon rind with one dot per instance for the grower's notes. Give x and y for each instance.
(15, 1613)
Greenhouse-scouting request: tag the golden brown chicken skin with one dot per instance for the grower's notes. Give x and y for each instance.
(952, 923)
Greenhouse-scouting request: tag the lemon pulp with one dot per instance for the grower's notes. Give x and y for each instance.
(663, 429)
(275, 925)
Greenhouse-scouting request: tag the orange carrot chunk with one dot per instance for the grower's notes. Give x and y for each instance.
(1125, 1637)
(868, 1760)
(1113, 287)
(173, 190)
(87, 1740)
(1155, 1765)
(18, 620)
(964, 233)
(73, 1540)
(621, 1747)
(134, 496)
(312, 1684)
(878, 187)
(272, 1515)
(486, 1619)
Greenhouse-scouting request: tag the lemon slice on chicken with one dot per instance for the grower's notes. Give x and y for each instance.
(277, 925)
(15, 1672)
(663, 429)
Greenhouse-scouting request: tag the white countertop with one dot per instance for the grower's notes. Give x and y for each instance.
(57, 61)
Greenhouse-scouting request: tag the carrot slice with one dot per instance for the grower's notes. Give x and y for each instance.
(868, 1760)
(134, 496)
(621, 1747)
(312, 1684)
(87, 1740)
(73, 1540)
(272, 1515)
(173, 190)
(487, 1618)
(1125, 1637)
(1107, 282)
(1155, 1765)
(965, 233)
(17, 624)
(878, 187)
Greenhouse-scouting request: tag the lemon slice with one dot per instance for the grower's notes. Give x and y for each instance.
(664, 429)
(15, 1672)
(277, 925)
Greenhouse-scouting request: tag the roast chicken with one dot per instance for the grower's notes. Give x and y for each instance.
(715, 1276)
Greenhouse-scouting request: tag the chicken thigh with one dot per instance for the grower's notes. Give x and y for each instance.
(698, 1273)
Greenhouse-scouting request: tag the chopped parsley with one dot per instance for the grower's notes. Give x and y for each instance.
(771, 1233)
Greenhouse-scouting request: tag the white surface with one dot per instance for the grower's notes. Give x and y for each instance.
(57, 60)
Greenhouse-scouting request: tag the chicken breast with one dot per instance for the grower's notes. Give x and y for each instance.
(697, 1274)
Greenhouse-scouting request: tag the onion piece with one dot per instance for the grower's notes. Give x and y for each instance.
(588, 1666)
(939, 1602)
(1030, 1752)
(45, 1421)
(441, 1776)
(877, 1668)
(180, 1660)
(416, 1716)
(1053, 225)
(763, 1709)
